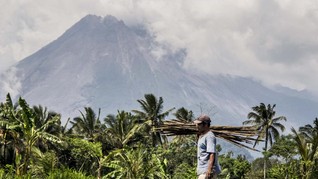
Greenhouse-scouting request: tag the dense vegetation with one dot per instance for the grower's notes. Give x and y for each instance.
(35, 144)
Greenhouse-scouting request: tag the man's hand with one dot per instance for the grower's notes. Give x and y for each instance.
(208, 174)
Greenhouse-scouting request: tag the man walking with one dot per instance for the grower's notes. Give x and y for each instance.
(207, 166)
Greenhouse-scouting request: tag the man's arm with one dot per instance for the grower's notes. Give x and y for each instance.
(209, 172)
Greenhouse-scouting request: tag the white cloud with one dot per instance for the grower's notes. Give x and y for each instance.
(10, 83)
(274, 41)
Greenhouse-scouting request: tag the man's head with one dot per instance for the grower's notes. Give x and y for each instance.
(203, 123)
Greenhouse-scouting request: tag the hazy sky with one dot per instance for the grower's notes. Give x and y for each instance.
(273, 41)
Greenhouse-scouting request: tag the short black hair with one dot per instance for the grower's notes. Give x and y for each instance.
(206, 123)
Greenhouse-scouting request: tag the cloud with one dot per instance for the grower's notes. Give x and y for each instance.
(272, 41)
(268, 40)
(28, 25)
(10, 83)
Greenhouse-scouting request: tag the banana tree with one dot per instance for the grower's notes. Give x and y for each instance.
(134, 164)
(20, 123)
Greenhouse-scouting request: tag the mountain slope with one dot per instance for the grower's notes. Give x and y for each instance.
(102, 63)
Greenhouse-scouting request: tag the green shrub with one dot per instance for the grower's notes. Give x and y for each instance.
(68, 174)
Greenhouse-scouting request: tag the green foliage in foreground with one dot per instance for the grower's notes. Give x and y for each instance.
(68, 173)
(33, 144)
(56, 174)
(135, 163)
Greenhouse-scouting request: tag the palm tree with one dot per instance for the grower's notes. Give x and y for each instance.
(88, 124)
(307, 141)
(268, 126)
(184, 114)
(151, 115)
(311, 134)
(119, 129)
(42, 116)
(305, 152)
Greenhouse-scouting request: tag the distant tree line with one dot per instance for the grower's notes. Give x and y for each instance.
(35, 144)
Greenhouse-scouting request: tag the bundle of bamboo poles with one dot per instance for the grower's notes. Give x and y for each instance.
(239, 136)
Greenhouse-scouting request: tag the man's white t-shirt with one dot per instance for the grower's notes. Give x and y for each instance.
(206, 146)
